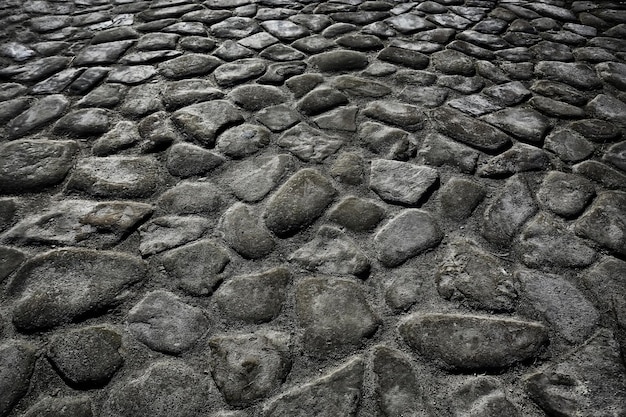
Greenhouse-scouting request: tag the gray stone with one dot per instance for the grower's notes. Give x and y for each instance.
(31, 165)
(459, 197)
(235, 27)
(10, 259)
(576, 74)
(461, 84)
(340, 60)
(332, 252)
(244, 232)
(186, 92)
(604, 174)
(285, 30)
(240, 71)
(106, 95)
(17, 362)
(11, 108)
(243, 140)
(360, 87)
(117, 176)
(80, 223)
(164, 389)
(334, 314)
(348, 168)
(103, 53)
(476, 278)
(616, 155)
(64, 285)
(278, 118)
(186, 160)
(11, 90)
(189, 65)
(132, 75)
(596, 130)
(157, 41)
(158, 132)
(401, 182)
(84, 122)
(607, 107)
(343, 118)
(87, 357)
(565, 194)
(560, 92)
(308, 143)
(256, 298)
(35, 70)
(196, 267)
(613, 73)
(166, 324)
(257, 97)
(320, 100)
(408, 234)
(424, 96)
(142, 100)
(61, 407)
(248, 367)
(556, 108)
(232, 51)
(405, 57)
(404, 115)
(357, 214)
(279, 72)
(340, 388)
(510, 209)
(475, 105)
(8, 210)
(569, 145)
(302, 84)
(587, 381)
(520, 158)
(190, 197)
(168, 232)
(470, 131)
(39, 114)
(252, 180)
(604, 221)
(509, 94)
(389, 142)
(438, 150)
(471, 342)
(482, 396)
(202, 121)
(313, 44)
(525, 124)
(453, 62)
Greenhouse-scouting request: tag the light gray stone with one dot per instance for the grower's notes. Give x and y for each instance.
(202, 121)
(401, 182)
(308, 143)
(168, 232)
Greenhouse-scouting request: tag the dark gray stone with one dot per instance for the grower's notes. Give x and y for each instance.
(404, 115)
(257, 97)
(401, 182)
(577, 74)
(84, 122)
(106, 95)
(186, 160)
(202, 121)
(35, 70)
(596, 130)
(565, 194)
(285, 30)
(278, 118)
(308, 143)
(189, 65)
(520, 158)
(320, 100)
(10, 259)
(39, 114)
(142, 100)
(245, 233)
(560, 92)
(523, 123)
(389, 142)
(357, 214)
(509, 94)
(569, 145)
(453, 62)
(459, 197)
(340, 60)
(240, 71)
(190, 91)
(251, 180)
(604, 221)
(17, 362)
(482, 396)
(604, 174)
(405, 57)
(605, 106)
(103, 53)
(556, 108)
(168, 232)
(438, 150)
(61, 407)
(243, 140)
(343, 118)
(348, 168)
(191, 198)
(302, 84)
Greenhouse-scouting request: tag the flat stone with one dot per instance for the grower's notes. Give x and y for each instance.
(509, 94)
(356, 214)
(35, 70)
(103, 53)
(609, 108)
(577, 74)
(596, 130)
(190, 91)
(523, 123)
(64, 285)
(408, 23)
(106, 95)
(168, 232)
(334, 314)
(166, 324)
(39, 114)
(616, 155)
(520, 158)
(142, 100)
(569, 145)
(186, 160)
(115, 34)
(401, 182)
(248, 367)
(157, 41)
(359, 18)
(56, 83)
(560, 92)
(196, 267)
(403, 115)
(340, 387)
(476, 278)
(604, 221)
(298, 202)
(87, 357)
(459, 197)
(406, 235)
(565, 194)
(475, 105)
(360, 42)
(453, 62)
(279, 72)
(11, 90)
(132, 75)
(198, 43)
(12, 108)
(308, 143)
(243, 140)
(186, 28)
(189, 197)
(252, 180)
(595, 380)
(482, 396)
(257, 97)
(510, 209)
(613, 73)
(80, 223)
(439, 150)
(556, 108)
(187, 393)
(31, 165)
(320, 100)
(202, 121)
(234, 73)
(604, 174)
(256, 298)
(189, 65)
(331, 252)
(302, 84)
(61, 407)
(551, 51)
(461, 84)
(340, 60)
(348, 168)
(84, 122)
(17, 362)
(244, 232)
(389, 142)
(313, 44)
(471, 342)
(10, 259)
(361, 87)
(117, 176)
(472, 132)
(564, 307)
(285, 30)
(405, 57)
(343, 118)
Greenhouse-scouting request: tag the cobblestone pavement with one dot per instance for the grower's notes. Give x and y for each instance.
(344, 208)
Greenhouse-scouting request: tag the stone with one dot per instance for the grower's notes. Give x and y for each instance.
(17, 362)
(44, 111)
(340, 60)
(302, 84)
(560, 92)
(166, 324)
(605, 106)
(452, 62)
(475, 105)
(117, 176)
(279, 72)
(102, 53)
(189, 91)
(405, 57)
(158, 132)
(525, 124)
(167, 388)
(356, 214)
(196, 267)
(278, 118)
(596, 130)
(613, 73)
(360, 42)
(12, 108)
(252, 180)
(244, 232)
(256, 298)
(243, 140)
(404, 289)
(569, 145)
(459, 197)
(482, 396)
(334, 314)
(470, 131)
(604, 221)
(35, 70)
(520, 158)
(403, 115)
(361, 87)
(203, 121)
(248, 367)
(10, 259)
(285, 30)
(408, 23)
(475, 278)
(562, 305)
(343, 118)
(348, 168)
(11, 90)
(66, 285)
(168, 232)
(84, 122)
(240, 71)
(509, 94)
(398, 390)
(406, 235)
(332, 252)
(587, 381)
(576, 74)
(80, 223)
(132, 75)
(390, 143)
(142, 100)
(190, 197)
(189, 65)
(468, 343)
(313, 44)
(508, 211)
(157, 41)
(308, 143)
(439, 150)
(556, 108)
(565, 194)
(401, 182)
(461, 84)
(106, 95)
(87, 357)
(235, 28)
(604, 174)
(61, 407)
(320, 100)
(32, 165)
(257, 97)
(186, 160)
(340, 388)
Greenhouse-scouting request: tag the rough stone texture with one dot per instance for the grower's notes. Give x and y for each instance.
(245, 233)
(168, 232)
(308, 143)
(401, 182)
(482, 396)
(202, 121)
(565, 194)
(17, 361)
(459, 197)
(604, 221)
(80, 406)
(356, 214)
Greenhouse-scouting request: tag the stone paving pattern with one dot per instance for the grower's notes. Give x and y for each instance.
(304, 208)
